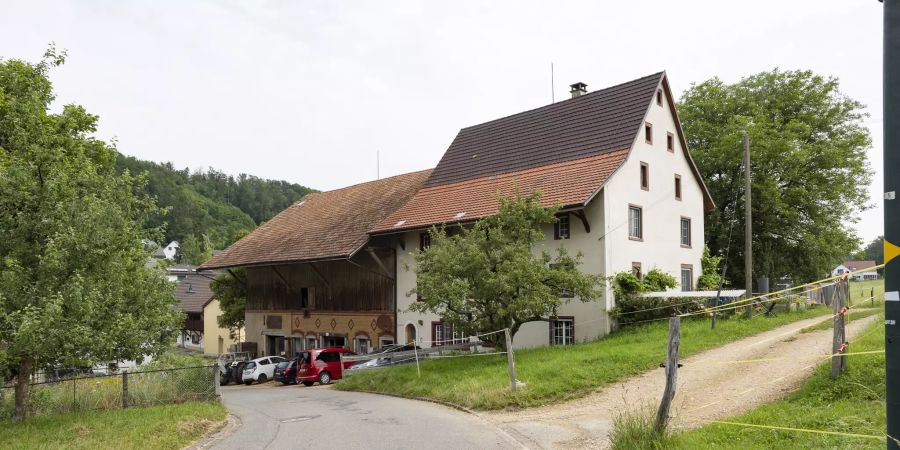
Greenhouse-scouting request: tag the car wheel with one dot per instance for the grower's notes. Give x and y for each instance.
(324, 378)
(262, 378)
(307, 383)
(248, 382)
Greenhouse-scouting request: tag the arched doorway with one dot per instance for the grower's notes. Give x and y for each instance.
(410, 333)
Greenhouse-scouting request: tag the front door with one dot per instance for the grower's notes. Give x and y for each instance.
(274, 345)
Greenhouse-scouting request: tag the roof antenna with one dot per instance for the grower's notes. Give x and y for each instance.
(552, 94)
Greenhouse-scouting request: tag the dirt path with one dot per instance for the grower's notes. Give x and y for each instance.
(708, 388)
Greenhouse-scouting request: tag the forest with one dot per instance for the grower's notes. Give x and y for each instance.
(210, 208)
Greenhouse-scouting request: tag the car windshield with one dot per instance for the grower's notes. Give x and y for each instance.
(250, 366)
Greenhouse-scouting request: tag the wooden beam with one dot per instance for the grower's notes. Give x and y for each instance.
(234, 275)
(280, 276)
(380, 264)
(584, 221)
(322, 277)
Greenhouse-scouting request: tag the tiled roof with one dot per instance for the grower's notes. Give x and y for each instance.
(322, 225)
(858, 265)
(598, 122)
(193, 292)
(570, 183)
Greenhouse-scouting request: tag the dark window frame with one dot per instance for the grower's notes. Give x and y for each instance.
(424, 241)
(690, 268)
(681, 235)
(446, 329)
(648, 133)
(645, 176)
(659, 97)
(677, 187)
(640, 235)
(670, 142)
(553, 322)
(562, 228)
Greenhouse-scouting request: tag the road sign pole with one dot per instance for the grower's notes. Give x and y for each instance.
(892, 217)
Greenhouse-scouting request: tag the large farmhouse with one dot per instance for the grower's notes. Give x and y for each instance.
(328, 270)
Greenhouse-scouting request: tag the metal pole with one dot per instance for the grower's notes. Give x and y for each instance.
(748, 228)
(892, 217)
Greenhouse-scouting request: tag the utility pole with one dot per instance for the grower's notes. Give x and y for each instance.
(892, 218)
(748, 228)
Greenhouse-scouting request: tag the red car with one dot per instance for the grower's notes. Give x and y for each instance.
(322, 365)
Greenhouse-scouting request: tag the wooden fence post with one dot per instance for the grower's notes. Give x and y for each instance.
(837, 340)
(124, 389)
(510, 361)
(872, 297)
(662, 416)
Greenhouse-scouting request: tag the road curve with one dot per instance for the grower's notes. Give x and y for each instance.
(273, 416)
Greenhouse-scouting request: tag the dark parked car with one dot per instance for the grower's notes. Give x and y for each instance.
(322, 365)
(286, 372)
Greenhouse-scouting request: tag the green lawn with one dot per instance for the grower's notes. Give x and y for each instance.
(859, 291)
(853, 314)
(554, 374)
(157, 427)
(854, 403)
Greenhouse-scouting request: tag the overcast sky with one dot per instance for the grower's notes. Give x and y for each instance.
(308, 91)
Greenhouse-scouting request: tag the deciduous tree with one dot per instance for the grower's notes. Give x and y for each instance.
(810, 172)
(75, 286)
(490, 276)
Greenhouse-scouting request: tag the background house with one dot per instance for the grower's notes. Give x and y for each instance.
(853, 266)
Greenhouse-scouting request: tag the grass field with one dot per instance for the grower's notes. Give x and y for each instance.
(860, 290)
(157, 427)
(554, 374)
(854, 403)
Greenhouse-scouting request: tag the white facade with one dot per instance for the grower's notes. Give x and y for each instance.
(607, 249)
(859, 276)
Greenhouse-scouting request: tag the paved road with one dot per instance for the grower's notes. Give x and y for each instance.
(282, 417)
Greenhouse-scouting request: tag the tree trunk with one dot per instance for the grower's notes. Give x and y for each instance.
(22, 385)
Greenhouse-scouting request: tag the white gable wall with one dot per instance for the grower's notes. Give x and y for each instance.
(662, 212)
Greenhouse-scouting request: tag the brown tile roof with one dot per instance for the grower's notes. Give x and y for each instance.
(858, 265)
(570, 183)
(601, 121)
(193, 293)
(322, 225)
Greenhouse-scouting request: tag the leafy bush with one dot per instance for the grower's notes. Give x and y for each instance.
(628, 289)
(710, 277)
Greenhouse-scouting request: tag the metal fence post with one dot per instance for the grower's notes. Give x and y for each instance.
(510, 361)
(124, 389)
(217, 380)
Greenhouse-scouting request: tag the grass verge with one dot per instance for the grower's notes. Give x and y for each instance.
(854, 403)
(157, 427)
(854, 314)
(554, 374)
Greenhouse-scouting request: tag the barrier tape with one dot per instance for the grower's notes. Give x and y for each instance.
(804, 430)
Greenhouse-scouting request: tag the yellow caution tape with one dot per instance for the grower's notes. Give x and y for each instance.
(779, 358)
(804, 430)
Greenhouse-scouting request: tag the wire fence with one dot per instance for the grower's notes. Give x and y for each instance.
(69, 390)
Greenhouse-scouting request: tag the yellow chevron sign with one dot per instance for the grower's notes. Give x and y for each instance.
(890, 251)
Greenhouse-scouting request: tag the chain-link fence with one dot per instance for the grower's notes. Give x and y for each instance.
(77, 390)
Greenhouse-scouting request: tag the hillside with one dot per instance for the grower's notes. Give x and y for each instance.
(211, 203)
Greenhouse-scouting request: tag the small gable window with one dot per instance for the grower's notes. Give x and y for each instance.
(670, 142)
(648, 132)
(635, 227)
(645, 176)
(677, 187)
(561, 227)
(658, 97)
